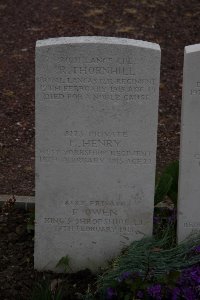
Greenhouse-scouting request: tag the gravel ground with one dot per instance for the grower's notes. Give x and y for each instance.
(173, 24)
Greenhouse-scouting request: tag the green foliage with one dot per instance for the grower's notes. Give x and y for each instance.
(128, 288)
(88, 296)
(135, 285)
(152, 255)
(42, 291)
(163, 187)
(167, 184)
(31, 222)
(64, 263)
(170, 278)
(165, 225)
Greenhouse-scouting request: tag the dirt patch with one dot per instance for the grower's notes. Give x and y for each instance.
(172, 24)
(17, 274)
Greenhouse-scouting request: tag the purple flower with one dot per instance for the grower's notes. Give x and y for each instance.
(195, 276)
(197, 249)
(190, 276)
(189, 294)
(140, 295)
(155, 291)
(175, 293)
(172, 219)
(111, 293)
(189, 283)
(156, 219)
(124, 276)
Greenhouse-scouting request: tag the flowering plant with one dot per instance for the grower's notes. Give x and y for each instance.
(174, 286)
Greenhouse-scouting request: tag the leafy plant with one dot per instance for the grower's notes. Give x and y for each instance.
(31, 222)
(64, 263)
(152, 256)
(88, 295)
(167, 184)
(174, 285)
(42, 291)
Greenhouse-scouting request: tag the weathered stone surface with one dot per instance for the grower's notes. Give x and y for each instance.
(96, 131)
(189, 173)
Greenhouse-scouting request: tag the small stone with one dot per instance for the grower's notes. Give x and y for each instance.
(4, 229)
(12, 236)
(20, 230)
(10, 245)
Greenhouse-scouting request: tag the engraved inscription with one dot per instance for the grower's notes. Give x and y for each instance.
(78, 225)
(96, 147)
(134, 157)
(196, 90)
(99, 215)
(191, 224)
(100, 79)
(121, 229)
(196, 157)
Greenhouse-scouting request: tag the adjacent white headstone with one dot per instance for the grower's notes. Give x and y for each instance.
(96, 132)
(189, 173)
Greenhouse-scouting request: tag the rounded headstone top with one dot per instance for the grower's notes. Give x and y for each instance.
(192, 48)
(95, 40)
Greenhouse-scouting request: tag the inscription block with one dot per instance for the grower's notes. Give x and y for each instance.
(189, 174)
(96, 132)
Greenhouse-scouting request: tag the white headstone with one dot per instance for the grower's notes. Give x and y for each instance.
(189, 173)
(96, 132)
